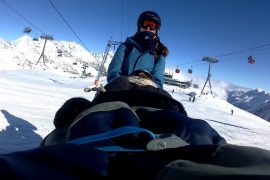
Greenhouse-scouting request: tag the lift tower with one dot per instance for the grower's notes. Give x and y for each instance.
(104, 59)
(210, 60)
(46, 37)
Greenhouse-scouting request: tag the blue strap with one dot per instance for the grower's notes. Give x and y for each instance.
(119, 148)
(111, 134)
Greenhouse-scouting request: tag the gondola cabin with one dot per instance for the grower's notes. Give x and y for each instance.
(251, 60)
(190, 71)
(177, 70)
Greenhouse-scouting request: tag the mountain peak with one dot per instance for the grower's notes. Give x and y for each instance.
(23, 38)
(259, 90)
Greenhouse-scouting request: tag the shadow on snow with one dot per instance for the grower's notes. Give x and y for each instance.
(18, 135)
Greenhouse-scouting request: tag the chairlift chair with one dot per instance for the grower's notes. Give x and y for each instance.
(35, 38)
(27, 30)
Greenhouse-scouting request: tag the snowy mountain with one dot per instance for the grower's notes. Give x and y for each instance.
(72, 59)
(61, 56)
(254, 101)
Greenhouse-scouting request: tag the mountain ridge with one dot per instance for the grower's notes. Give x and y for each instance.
(254, 101)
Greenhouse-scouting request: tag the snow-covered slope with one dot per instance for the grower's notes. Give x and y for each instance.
(254, 101)
(30, 99)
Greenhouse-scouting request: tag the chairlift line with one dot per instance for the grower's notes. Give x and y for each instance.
(245, 50)
(234, 53)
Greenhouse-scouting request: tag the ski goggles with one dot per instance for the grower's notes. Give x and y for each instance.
(150, 24)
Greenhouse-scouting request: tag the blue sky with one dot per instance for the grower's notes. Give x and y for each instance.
(191, 29)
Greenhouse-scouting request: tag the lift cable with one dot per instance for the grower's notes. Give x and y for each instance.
(243, 51)
(68, 24)
(111, 20)
(19, 14)
(19, 22)
(230, 54)
(122, 16)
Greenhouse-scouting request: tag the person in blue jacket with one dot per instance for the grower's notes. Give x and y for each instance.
(142, 52)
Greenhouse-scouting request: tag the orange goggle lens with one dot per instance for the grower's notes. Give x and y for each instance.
(151, 24)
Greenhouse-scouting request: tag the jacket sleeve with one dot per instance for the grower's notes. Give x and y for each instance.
(158, 72)
(114, 69)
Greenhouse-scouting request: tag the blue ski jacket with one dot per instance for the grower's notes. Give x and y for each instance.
(126, 63)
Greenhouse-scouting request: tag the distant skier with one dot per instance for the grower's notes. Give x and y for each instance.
(231, 111)
(192, 96)
(143, 51)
